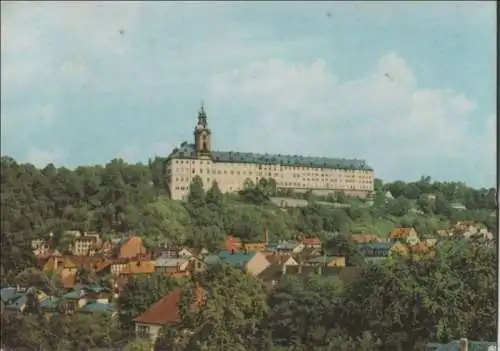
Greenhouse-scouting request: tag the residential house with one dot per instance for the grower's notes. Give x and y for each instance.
(83, 245)
(179, 267)
(66, 267)
(98, 293)
(83, 298)
(406, 235)
(251, 262)
(281, 259)
(40, 247)
(75, 299)
(163, 312)
(103, 267)
(307, 253)
(421, 249)
(130, 248)
(138, 267)
(277, 268)
(232, 243)
(103, 247)
(173, 251)
(99, 307)
(18, 300)
(311, 243)
(117, 266)
(255, 246)
(381, 250)
(465, 229)
(326, 261)
(289, 247)
(401, 248)
(365, 238)
(430, 242)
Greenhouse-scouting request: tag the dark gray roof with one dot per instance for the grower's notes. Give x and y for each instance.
(187, 151)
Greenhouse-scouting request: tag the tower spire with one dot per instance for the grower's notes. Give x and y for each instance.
(202, 116)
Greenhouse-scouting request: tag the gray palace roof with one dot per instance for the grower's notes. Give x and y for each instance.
(187, 151)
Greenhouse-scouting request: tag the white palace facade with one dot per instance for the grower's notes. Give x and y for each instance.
(231, 170)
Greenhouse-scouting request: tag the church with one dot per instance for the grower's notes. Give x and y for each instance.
(231, 170)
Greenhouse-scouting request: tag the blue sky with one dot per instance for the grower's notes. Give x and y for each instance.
(409, 87)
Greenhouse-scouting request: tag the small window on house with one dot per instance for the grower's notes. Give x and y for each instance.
(143, 331)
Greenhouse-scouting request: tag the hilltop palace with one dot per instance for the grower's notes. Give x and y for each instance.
(231, 169)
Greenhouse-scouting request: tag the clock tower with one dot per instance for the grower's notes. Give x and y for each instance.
(202, 134)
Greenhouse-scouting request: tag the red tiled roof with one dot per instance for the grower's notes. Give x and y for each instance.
(364, 238)
(311, 241)
(420, 248)
(399, 233)
(165, 310)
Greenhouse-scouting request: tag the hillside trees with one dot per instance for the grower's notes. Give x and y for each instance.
(232, 314)
(139, 293)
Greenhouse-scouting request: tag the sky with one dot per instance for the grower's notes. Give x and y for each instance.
(409, 87)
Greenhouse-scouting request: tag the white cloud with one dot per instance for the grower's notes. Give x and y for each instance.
(395, 124)
(40, 157)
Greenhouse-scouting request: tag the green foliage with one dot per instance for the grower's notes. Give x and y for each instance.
(341, 245)
(196, 193)
(138, 345)
(39, 280)
(139, 293)
(232, 316)
(58, 332)
(214, 197)
(396, 305)
(302, 311)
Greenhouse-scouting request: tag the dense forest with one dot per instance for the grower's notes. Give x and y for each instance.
(396, 305)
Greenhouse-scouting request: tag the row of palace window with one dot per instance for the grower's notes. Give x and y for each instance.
(347, 179)
(323, 181)
(316, 171)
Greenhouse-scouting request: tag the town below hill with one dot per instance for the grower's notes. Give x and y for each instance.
(101, 257)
